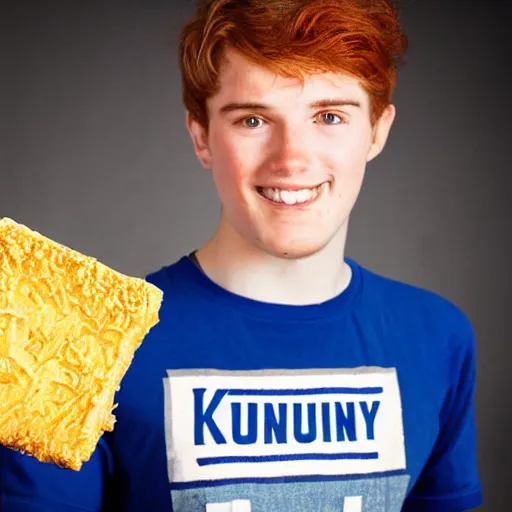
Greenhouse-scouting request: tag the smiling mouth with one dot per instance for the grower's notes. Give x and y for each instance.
(292, 197)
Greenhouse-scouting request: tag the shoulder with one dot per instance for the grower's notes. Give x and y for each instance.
(412, 305)
(161, 275)
(171, 278)
(181, 287)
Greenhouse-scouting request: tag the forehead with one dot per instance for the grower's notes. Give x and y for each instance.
(243, 80)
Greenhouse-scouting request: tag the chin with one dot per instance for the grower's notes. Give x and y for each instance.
(294, 250)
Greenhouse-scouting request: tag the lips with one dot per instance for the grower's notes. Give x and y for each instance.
(292, 197)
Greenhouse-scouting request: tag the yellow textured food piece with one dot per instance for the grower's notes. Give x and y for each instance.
(69, 328)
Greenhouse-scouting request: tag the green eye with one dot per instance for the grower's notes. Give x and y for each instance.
(252, 122)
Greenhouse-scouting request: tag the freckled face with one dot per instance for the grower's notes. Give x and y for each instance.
(288, 160)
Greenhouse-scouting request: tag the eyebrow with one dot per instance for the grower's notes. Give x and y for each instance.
(233, 107)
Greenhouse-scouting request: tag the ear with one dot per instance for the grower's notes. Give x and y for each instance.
(381, 132)
(199, 136)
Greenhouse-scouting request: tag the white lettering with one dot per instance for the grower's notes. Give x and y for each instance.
(353, 504)
(230, 506)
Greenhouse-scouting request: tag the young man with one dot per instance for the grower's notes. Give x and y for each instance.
(282, 375)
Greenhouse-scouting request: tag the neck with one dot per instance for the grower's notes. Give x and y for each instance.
(241, 268)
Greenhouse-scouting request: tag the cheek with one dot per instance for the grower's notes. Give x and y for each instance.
(228, 154)
(228, 170)
(351, 155)
(234, 166)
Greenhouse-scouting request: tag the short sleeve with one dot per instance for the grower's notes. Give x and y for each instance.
(27, 485)
(450, 480)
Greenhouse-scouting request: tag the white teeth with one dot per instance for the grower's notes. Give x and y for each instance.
(292, 197)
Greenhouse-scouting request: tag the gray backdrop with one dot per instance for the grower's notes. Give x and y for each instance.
(94, 154)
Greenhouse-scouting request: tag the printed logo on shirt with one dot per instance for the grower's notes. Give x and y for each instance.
(230, 433)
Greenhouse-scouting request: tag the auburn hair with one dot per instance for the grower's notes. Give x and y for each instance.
(294, 38)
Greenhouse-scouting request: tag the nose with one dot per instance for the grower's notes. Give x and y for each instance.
(290, 155)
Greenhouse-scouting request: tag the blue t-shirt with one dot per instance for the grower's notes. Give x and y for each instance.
(363, 403)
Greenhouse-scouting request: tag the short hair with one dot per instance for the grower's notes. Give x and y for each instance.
(294, 38)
